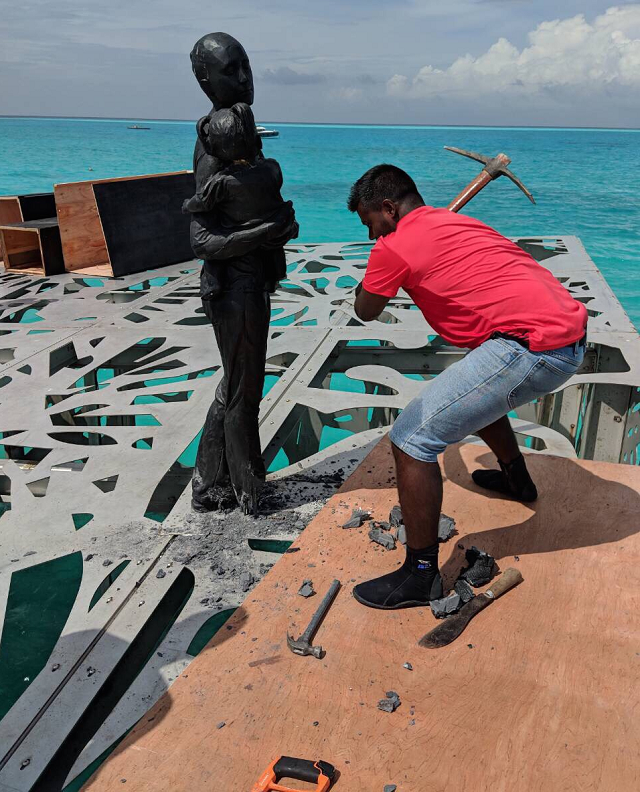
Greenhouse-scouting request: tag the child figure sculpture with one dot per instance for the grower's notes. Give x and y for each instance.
(244, 194)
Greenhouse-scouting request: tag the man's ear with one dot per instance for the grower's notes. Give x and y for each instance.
(390, 208)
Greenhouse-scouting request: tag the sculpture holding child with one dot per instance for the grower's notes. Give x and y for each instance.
(239, 226)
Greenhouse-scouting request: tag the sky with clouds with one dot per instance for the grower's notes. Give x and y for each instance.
(492, 62)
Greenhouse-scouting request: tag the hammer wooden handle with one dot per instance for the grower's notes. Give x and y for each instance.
(507, 580)
(481, 180)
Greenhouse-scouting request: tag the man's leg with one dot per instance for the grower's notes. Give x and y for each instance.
(420, 490)
(471, 393)
(513, 477)
(418, 580)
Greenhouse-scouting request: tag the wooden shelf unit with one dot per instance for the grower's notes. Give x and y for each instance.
(23, 208)
(33, 247)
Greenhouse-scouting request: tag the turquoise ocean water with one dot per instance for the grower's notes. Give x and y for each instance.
(584, 180)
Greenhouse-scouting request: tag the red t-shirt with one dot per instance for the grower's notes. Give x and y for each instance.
(470, 282)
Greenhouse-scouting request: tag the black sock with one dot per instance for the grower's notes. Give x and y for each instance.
(424, 562)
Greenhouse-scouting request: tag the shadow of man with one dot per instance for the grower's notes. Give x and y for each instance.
(577, 507)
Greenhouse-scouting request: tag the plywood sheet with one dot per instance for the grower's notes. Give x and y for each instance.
(81, 231)
(81, 234)
(540, 692)
(9, 213)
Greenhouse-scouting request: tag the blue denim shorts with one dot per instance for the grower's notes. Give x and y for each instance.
(496, 377)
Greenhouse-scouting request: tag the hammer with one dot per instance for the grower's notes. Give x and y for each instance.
(302, 646)
(493, 168)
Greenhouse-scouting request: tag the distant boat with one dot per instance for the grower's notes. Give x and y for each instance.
(136, 126)
(264, 132)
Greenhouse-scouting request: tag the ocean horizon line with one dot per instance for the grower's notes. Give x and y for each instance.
(327, 124)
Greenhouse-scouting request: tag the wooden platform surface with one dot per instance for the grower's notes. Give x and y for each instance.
(539, 693)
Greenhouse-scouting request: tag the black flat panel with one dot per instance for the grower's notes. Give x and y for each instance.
(37, 205)
(142, 220)
(53, 261)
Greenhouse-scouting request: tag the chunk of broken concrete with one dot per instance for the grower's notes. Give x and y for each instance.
(395, 517)
(446, 528)
(384, 538)
(464, 589)
(480, 569)
(441, 608)
(358, 517)
(246, 581)
(306, 589)
(401, 535)
(390, 703)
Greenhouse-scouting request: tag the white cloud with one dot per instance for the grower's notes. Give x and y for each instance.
(563, 54)
(350, 93)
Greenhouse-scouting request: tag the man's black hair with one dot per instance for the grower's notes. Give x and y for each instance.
(378, 183)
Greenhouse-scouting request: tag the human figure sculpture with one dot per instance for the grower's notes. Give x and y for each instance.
(245, 193)
(229, 460)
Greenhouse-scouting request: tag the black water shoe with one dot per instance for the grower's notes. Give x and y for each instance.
(416, 583)
(512, 479)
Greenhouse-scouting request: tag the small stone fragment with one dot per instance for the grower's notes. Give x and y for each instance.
(316, 723)
(31, 552)
(246, 581)
(25, 763)
(470, 646)
(390, 788)
(395, 517)
(91, 671)
(107, 562)
(384, 538)
(390, 703)
(306, 589)
(408, 666)
(401, 534)
(55, 666)
(446, 528)
(441, 608)
(221, 725)
(465, 591)
(384, 526)
(358, 517)
(480, 567)
(161, 573)
(88, 557)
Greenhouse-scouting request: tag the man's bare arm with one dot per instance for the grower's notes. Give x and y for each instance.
(368, 306)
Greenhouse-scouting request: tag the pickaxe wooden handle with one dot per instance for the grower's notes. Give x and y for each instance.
(493, 168)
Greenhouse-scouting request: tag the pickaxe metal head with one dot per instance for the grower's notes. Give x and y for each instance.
(494, 166)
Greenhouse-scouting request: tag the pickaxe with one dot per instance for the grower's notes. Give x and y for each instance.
(493, 167)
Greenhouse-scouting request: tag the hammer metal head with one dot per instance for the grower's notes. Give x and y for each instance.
(302, 647)
(495, 166)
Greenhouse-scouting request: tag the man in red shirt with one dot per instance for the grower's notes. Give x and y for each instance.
(479, 290)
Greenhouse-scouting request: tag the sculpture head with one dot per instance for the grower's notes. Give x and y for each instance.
(230, 134)
(222, 69)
